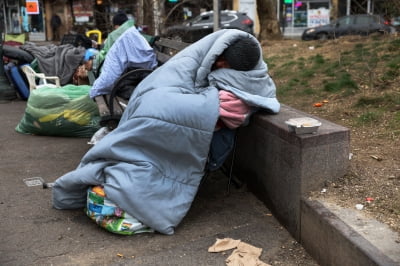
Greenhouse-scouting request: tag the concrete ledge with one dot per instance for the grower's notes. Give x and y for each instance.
(331, 240)
(280, 167)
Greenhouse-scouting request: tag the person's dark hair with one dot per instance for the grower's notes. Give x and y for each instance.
(119, 18)
(243, 54)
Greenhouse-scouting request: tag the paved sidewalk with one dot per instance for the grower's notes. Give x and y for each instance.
(34, 233)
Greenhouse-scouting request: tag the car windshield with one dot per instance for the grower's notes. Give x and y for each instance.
(227, 18)
(201, 19)
(208, 18)
(345, 21)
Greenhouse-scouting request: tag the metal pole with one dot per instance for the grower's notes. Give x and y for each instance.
(369, 7)
(278, 10)
(348, 7)
(217, 19)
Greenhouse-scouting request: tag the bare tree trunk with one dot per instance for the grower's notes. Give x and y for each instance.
(269, 24)
(140, 13)
(148, 16)
(335, 9)
(156, 16)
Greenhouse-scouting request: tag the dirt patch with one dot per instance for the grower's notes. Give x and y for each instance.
(373, 178)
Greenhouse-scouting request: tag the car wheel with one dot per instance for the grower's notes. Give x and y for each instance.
(322, 36)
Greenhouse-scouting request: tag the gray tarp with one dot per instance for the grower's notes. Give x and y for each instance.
(57, 60)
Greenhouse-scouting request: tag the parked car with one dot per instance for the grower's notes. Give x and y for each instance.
(202, 25)
(396, 23)
(348, 25)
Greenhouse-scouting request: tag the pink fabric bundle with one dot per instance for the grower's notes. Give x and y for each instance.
(232, 110)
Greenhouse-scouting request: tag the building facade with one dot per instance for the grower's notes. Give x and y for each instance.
(296, 15)
(32, 18)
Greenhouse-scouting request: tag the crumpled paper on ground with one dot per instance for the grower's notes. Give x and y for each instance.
(243, 255)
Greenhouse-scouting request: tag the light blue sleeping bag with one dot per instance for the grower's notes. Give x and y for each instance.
(152, 163)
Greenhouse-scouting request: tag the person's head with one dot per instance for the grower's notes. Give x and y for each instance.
(119, 19)
(242, 55)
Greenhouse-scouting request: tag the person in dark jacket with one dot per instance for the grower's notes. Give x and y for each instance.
(55, 23)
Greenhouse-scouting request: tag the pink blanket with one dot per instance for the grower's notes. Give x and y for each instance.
(232, 110)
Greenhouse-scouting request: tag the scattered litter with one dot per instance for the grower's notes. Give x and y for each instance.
(311, 47)
(34, 181)
(350, 156)
(376, 157)
(303, 125)
(243, 253)
(295, 45)
(359, 207)
(323, 190)
(120, 255)
(325, 101)
(318, 104)
(369, 199)
(224, 244)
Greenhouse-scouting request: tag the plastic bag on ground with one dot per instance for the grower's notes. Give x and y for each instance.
(67, 111)
(109, 216)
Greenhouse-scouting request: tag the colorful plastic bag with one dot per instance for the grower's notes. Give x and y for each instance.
(109, 216)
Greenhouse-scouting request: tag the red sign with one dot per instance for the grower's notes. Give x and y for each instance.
(32, 7)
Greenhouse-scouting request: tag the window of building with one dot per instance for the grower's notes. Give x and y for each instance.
(300, 14)
(316, 5)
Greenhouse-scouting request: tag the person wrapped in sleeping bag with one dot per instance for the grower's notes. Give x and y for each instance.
(151, 165)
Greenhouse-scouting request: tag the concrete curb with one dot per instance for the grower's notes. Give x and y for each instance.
(331, 240)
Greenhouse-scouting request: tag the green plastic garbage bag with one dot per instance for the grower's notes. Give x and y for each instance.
(67, 111)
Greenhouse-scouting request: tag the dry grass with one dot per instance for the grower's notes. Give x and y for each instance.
(360, 79)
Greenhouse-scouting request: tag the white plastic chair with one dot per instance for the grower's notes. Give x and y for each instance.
(38, 80)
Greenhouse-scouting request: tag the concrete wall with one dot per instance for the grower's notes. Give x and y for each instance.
(280, 167)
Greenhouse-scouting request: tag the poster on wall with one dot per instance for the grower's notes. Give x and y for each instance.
(32, 7)
(83, 10)
(288, 14)
(318, 17)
